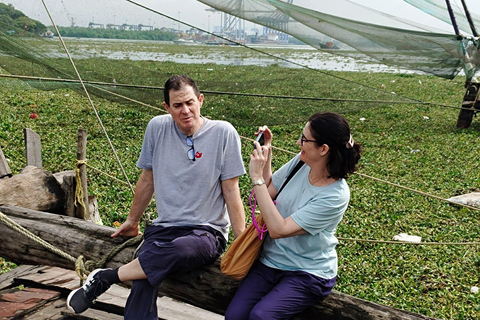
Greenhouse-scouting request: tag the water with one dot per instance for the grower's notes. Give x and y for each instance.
(294, 56)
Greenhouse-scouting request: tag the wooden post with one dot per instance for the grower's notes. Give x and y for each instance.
(33, 148)
(67, 181)
(4, 168)
(82, 211)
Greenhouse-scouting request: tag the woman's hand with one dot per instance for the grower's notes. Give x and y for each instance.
(258, 159)
(267, 135)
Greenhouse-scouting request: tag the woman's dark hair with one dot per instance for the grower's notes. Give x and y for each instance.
(177, 82)
(333, 130)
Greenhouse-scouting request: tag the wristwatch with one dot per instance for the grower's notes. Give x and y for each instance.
(258, 182)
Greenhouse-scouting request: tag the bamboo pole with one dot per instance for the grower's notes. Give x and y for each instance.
(82, 208)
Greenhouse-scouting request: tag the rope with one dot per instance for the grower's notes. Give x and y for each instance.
(263, 52)
(79, 192)
(88, 95)
(79, 262)
(418, 191)
(360, 174)
(132, 100)
(97, 83)
(108, 175)
(413, 243)
(90, 265)
(78, 185)
(82, 267)
(16, 227)
(391, 183)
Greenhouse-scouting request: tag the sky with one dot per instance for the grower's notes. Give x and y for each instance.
(82, 12)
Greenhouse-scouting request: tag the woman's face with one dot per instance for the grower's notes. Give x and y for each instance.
(309, 149)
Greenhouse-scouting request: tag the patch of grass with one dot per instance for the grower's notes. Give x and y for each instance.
(6, 266)
(409, 138)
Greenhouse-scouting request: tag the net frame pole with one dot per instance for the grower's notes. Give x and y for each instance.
(452, 18)
(469, 18)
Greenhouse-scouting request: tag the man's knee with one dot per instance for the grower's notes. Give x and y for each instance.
(200, 244)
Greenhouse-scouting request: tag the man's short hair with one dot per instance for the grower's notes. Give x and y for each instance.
(176, 83)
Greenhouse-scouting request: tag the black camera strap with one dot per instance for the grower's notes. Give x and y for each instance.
(290, 176)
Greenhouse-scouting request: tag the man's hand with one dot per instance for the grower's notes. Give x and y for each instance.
(129, 228)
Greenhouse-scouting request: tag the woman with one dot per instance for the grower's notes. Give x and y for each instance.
(298, 263)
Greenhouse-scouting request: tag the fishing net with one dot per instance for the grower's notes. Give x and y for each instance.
(443, 55)
(437, 9)
(133, 72)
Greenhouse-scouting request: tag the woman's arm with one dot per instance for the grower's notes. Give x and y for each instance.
(278, 227)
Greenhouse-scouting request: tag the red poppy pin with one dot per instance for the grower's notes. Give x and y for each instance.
(198, 155)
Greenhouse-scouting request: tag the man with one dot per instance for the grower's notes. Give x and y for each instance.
(192, 165)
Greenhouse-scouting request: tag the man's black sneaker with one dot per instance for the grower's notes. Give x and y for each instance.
(82, 298)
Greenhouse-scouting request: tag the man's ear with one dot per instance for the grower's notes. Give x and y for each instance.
(166, 107)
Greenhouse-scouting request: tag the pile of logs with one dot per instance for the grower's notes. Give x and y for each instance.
(37, 189)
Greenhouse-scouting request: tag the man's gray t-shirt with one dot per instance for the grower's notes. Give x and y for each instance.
(189, 192)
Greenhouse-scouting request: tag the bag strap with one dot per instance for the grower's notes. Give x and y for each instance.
(290, 176)
(263, 229)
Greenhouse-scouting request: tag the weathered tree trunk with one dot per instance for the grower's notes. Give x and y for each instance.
(207, 287)
(5, 171)
(33, 188)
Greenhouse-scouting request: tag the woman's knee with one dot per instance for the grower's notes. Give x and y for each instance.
(259, 314)
(237, 311)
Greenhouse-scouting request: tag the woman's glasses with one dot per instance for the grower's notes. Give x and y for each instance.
(191, 151)
(304, 139)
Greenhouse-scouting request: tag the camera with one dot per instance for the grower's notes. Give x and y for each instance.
(260, 139)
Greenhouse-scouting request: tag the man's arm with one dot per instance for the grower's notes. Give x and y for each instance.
(143, 195)
(236, 212)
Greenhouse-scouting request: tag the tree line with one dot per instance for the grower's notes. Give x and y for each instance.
(82, 32)
(14, 22)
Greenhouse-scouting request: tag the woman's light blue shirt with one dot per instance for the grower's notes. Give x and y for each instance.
(318, 210)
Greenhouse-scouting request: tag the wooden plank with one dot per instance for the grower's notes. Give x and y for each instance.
(5, 171)
(33, 148)
(7, 279)
(92, 314)
(18, 303)
(52, 310)
(114, 299)
(170, 309)
(58, 310)
(52, 277)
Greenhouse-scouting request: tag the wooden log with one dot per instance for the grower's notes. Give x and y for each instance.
(4, 168)
(33, 148)
(207, 287)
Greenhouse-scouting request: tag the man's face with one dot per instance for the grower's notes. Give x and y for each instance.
(185, 109)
